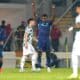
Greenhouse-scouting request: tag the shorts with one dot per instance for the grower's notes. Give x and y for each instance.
(1, 51)
(29, 50)
(44, 46)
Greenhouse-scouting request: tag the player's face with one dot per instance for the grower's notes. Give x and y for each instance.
(33, 23)
(44, 19)
(78, 10)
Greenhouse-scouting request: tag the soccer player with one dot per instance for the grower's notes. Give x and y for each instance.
(2, 40)
(28, 49)
(44, 26)
(76, 46)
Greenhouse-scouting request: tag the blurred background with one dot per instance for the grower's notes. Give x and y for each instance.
(16, 12)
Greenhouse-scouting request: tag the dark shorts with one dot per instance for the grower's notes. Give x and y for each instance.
(43, 45)
(1, 51)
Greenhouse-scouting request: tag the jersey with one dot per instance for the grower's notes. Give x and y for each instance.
(77, 19)
(2, 34)
(76, 44)
(43, 35)
(29, 31)
(43, 29)
(2, 38)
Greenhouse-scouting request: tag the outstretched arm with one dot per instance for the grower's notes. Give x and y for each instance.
(33, 10)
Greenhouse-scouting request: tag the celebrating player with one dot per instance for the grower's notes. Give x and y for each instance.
(44, 26)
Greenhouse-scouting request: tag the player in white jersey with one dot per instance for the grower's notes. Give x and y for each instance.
(76, 46)
(28, 49)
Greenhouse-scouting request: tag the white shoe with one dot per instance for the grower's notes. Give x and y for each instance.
(48, 69)
(34, 70)
(21, 70)
(73, 76)
(38, 69)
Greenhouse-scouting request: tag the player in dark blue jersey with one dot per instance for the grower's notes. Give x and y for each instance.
(44, 26)
(2, 39)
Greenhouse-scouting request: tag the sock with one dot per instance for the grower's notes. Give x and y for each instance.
(22, 62)
(75, 64)
(34, 60)
(1, 64)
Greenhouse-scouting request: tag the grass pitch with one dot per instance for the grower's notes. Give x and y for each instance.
(56, 74)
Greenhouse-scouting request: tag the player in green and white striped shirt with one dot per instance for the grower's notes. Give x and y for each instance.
(28, 49)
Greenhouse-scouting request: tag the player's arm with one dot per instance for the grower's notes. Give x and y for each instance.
(33, 9)
(35, 37)
(75, 26)
(52, 17)
(26, 39)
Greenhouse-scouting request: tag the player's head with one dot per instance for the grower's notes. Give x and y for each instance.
(22, 22)
(44, 17)
(31, 22)
(78, 9)
(3, 22)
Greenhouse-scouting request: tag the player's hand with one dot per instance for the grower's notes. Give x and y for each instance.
(70, 29)
(35, 39)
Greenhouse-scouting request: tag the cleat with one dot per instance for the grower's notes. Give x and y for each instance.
(39, 69)
(21, 70)
(73, 76)
(48, 69)
(34, 70)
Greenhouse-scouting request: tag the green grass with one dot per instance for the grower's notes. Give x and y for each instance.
(56, 74)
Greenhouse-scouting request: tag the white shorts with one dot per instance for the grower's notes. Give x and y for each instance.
(76, 44)
(76, 48)
(29, 50)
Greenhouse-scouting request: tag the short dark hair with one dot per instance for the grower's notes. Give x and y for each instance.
(78, 5)
(3, 21)
(44, 15)
(29, 20)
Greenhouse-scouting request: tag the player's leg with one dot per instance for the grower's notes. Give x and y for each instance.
(1, 63)
(1, 58)
(26, 51)
(34, 61)
(48, 56)
(39, 50)
(39, 59)
(75, 64)
(48, 61)
(34, 57)
(22, 63)
(74, 58)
